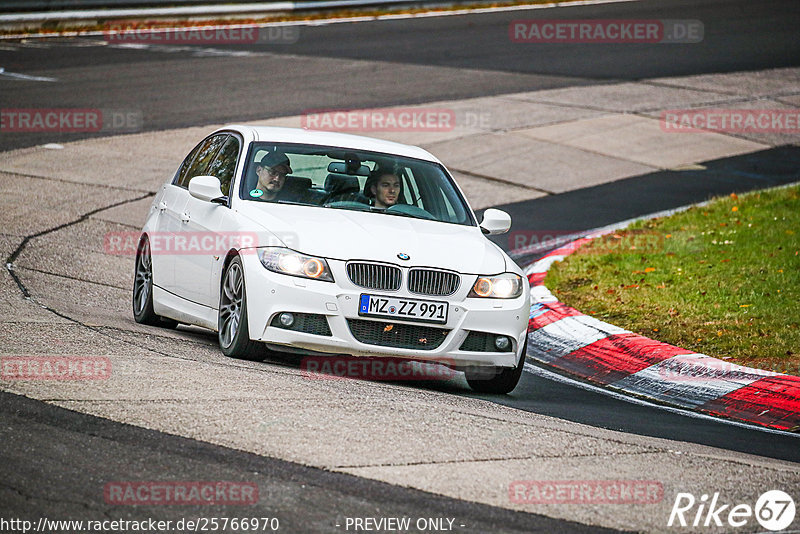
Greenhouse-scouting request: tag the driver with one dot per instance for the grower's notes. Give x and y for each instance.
(271, 172)
(385, 187)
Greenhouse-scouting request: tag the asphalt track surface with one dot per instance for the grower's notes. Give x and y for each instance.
(44, 443)
(425, 60)
(420, 60)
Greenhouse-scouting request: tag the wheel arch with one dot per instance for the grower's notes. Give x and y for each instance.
(232, 253)
(142, 237)
(220, 275)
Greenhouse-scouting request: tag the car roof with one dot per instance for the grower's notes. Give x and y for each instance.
(341, 140)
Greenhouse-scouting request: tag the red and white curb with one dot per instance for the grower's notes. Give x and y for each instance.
(571, 342)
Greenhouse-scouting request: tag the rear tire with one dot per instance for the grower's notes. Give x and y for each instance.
(233, 331)
(502, 381)
(143, 290)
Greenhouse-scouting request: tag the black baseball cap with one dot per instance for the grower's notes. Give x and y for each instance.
(275, 159)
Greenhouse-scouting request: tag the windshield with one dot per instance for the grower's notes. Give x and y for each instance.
(338, 178)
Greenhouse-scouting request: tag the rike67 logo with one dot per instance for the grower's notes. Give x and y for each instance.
(774, 510)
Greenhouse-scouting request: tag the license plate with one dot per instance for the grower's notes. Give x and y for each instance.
(428, 311)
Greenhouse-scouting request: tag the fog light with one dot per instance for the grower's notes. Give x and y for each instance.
(502, 343)
(286, 319)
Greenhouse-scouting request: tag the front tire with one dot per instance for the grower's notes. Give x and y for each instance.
(503, 380)
(143, 290)
(233, 331)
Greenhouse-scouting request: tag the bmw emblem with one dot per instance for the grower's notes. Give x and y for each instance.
(404, 256)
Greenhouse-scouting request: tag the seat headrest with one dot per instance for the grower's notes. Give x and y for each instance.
(341, 183)
(297, 183)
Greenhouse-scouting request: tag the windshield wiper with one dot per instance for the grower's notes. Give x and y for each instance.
(351, 207)
(403, 214)
(293, 203)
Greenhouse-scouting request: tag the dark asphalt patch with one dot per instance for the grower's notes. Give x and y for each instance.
(55, 463)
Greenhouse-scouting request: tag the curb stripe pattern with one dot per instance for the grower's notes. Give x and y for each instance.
(580, 345)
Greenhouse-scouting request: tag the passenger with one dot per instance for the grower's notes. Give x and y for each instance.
(385, 188)
(271, 172)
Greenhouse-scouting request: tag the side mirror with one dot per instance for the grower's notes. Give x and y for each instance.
(495, 222)
(206, 188)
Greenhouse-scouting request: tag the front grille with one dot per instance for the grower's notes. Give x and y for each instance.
(309, 323)
(374, 276)
(397, 335)
(430, 282)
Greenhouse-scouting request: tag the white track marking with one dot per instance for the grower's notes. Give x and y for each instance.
(544, 264)
(540, 294)
(26, 77)
(197, 51)
(565, 336)
(690, 380)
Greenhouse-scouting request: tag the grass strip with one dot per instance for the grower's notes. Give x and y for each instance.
(722, 279)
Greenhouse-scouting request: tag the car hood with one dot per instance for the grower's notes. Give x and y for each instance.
(349, 235)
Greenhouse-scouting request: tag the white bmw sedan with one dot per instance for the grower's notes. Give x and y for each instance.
(332, 244)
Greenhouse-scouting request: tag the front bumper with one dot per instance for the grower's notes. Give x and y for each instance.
(269, 294)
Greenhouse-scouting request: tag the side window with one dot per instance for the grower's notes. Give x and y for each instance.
(224, 165)
(187, 163)
(203, 155)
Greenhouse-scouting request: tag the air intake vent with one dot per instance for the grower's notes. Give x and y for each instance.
(374, 276)
(399, 335)
(479, 342)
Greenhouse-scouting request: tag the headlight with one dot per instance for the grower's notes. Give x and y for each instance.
(286, 261)
(502, 286)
